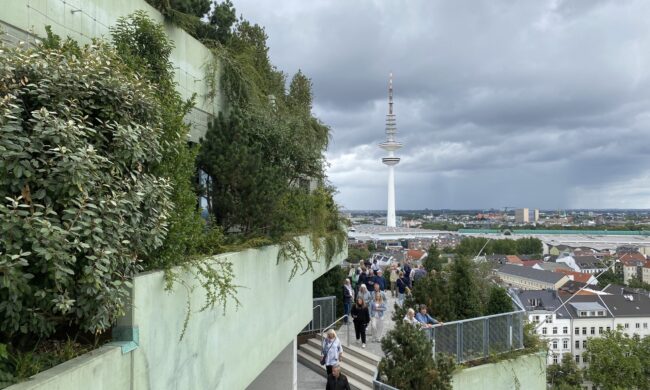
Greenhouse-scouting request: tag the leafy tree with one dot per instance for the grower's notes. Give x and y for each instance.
(529, 246)
(372, 246)
(223, 18)
(409, 363)
(82, 202)
(144, 46)
(193, 7)
(357, 254)
(618, 361)
(331, 284)
(565, 375)
(635, 282)
(435, 292)
(499, 301)
(433, 261)
(464, 292)
(610, 277)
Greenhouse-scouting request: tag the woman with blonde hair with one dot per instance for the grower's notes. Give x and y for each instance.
(377, 309)
(364, 294)
(409, 318)
(331, 352)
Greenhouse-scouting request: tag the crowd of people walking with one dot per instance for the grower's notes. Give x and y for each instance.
(365, 302)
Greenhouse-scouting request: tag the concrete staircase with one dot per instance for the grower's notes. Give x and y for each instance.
(358, 364)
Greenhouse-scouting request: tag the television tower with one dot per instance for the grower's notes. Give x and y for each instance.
(390, 145)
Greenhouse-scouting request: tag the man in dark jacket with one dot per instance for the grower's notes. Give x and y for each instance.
(379, 279)
(336, 380)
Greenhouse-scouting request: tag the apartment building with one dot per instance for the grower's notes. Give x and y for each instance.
(529, 278)
(585, 317)
(553, 326)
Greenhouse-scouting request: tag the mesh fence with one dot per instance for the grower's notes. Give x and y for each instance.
(478, 337)
(324, 314)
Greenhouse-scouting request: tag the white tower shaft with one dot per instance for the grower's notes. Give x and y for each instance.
(390, 214)
(390, 145)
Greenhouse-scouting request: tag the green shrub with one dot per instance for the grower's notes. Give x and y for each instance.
(80, 135)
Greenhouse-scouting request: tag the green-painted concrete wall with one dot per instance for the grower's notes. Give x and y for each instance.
(102, 369)
(525, 373)
(219, 350)
(83, 20)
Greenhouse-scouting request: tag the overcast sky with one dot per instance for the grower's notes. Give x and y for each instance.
(541, 104)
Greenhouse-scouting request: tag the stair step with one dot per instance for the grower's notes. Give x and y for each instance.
(348, 357)
(315, 366)
(348, 369)
(359, 352)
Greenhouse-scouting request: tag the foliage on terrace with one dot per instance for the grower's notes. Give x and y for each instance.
(261, 153)
(460, 290)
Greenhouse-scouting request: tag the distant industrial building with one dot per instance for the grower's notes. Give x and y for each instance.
(526, 215)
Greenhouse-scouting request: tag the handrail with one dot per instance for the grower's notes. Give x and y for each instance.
(334, 323)
(479, 318)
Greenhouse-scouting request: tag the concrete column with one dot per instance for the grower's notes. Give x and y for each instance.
(281, 373)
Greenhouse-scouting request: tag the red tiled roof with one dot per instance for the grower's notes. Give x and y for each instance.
(577, 276)
(415, 254)
(632, 258)
(530, 263)
(513, 259)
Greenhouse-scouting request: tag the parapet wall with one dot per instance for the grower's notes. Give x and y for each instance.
(526, 372)
(219, 350)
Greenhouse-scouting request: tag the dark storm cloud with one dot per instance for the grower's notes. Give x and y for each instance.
(499, 102)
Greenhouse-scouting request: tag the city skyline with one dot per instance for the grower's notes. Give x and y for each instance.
(501, 103)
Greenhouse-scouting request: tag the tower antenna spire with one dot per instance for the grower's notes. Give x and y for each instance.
(390, 93)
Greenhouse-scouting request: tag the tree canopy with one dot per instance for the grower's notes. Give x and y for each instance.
(618, 361)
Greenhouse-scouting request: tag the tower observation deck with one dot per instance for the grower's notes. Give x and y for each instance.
(391, 145)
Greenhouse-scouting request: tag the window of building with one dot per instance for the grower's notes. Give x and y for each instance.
(544, 330)
(600, 330)
(549, 319)
(577, 358)
(584, 330)
(577, 331)
(535, 318)
(584, 359)
(555, 330)
(638, 325)
(593, 330)
(627, 325)
(555, 344)
(577, 344)
(565, 330)
(601, 313)
(645, 325)
(584, 344)
(565, 344)
(608, 328)
(554, 359)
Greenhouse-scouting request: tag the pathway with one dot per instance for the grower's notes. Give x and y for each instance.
(309, 380)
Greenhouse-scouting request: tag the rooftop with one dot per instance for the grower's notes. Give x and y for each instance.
(587, 306)
(531, 273)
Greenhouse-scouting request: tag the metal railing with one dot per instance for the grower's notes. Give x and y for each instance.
(479, 337)
(333, 325)
(377, 384)
(323, 314)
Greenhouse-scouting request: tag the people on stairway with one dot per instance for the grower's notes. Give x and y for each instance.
(336, 380)
(348, 296)
(332, 350)
(377, 309)
(361, 317)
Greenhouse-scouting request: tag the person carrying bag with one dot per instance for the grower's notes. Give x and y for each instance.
(332, 351)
